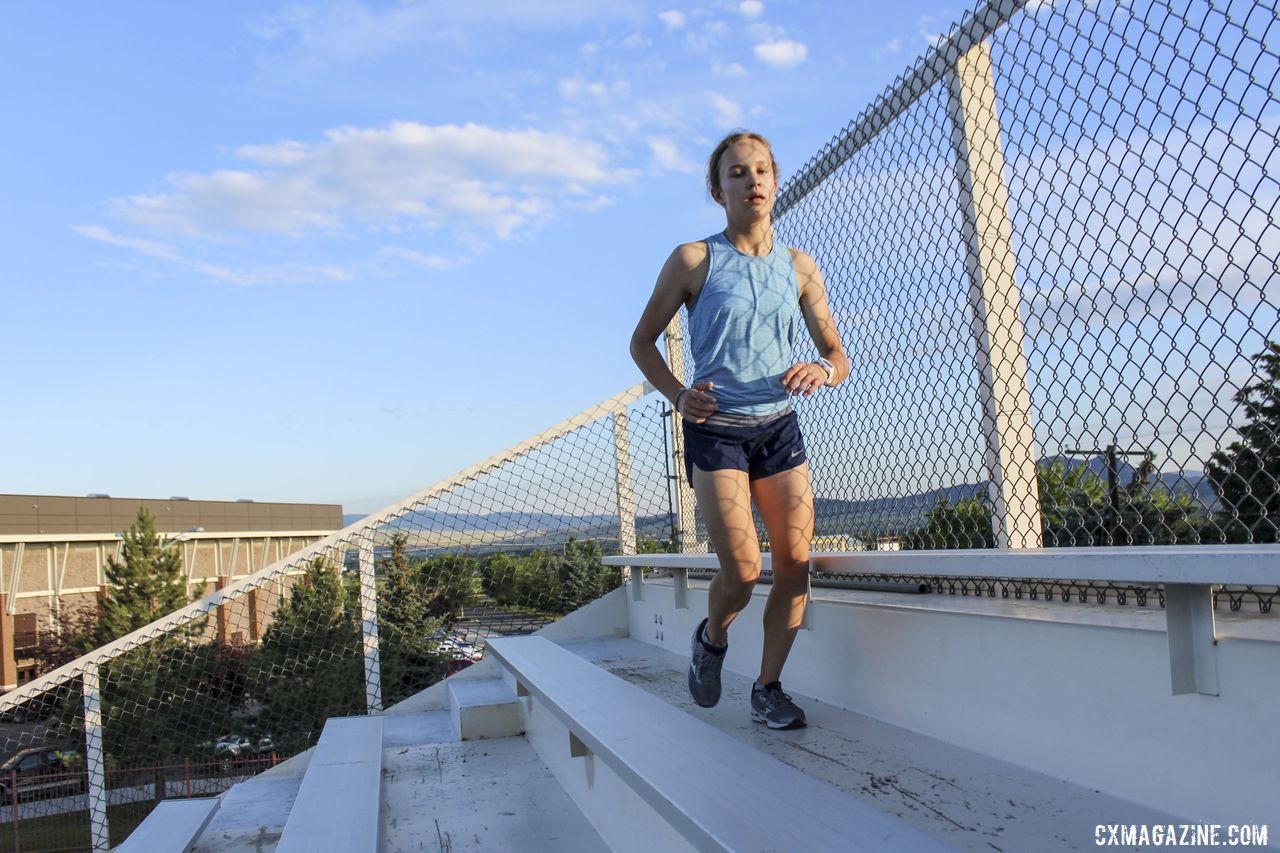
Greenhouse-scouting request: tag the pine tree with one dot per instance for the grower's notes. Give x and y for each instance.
(310, 665)
(1247, 474)
(147, 584)
(966, 524)
(1073, 504)
(407, 629)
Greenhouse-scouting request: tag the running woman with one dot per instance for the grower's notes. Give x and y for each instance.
(746, 297)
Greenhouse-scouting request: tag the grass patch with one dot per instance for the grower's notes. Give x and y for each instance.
(70, 831)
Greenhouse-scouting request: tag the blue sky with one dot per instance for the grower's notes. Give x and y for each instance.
(336, 252)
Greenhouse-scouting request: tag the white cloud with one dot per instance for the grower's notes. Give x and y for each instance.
(751, 8)
(452, 176)
(727, 113)
(420, 259)
(706, 38)
(761, 31)
(289, 273)
(672, 19)
(731, 70)
(667, 156)
(573, 88)
(783, 53)
(348, 29)
(933, 29)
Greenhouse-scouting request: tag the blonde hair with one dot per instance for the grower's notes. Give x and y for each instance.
(713, 164)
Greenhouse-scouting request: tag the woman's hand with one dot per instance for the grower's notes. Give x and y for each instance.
(696, 404)
(804, 378)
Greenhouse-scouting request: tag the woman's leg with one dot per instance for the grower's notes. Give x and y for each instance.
(725, 500)
(785, 501)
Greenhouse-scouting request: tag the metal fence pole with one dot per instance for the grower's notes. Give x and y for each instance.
(95, 762)
(369, 629)
(995, 302)
(625, 492)
(685, 501)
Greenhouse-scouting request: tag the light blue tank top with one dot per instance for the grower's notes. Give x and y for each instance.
(742, 328)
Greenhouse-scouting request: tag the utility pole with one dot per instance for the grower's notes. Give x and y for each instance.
(1112, 454)
(672, 479)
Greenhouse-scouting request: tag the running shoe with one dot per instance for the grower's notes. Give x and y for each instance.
(769, 705)
(704, 669)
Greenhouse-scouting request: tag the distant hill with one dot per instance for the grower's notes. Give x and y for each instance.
(876, 516)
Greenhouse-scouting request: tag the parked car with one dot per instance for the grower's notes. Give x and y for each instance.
(233, 746)
(228, 749)
(41, 771)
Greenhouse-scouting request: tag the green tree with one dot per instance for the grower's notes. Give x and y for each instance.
(656, 546)
(148, 583)
(966, 524)
(1155, 516)
(582, 577)
(1246, 475)
(448, 583)
(1073, 504)
(407, 628)
(310, 666)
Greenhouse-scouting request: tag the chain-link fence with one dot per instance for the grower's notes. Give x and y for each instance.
(247, 676)
(1051, 251)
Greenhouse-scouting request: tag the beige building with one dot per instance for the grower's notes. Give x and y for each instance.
(54, 551)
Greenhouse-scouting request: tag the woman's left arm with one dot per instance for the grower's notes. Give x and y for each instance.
(822, 328)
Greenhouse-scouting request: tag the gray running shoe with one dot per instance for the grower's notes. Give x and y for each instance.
(704, 670)
(769, 705)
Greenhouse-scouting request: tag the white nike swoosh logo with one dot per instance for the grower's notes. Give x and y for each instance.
(797, 453)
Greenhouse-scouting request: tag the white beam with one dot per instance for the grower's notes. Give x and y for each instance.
(95, 761)
(995, 302)
(1193, 648)
(15, 576)
(626, 499)
(369, 628)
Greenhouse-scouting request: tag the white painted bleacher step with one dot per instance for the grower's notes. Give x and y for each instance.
(483, 709)
(172, 827)
(434, 793)
(337, 807)
(682, 783)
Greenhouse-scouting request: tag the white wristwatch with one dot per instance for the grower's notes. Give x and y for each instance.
(829, 367)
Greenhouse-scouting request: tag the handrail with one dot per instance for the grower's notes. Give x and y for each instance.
(1172, 564)
(1188, 573)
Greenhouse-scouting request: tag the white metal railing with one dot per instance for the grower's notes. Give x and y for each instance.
(1187, 573)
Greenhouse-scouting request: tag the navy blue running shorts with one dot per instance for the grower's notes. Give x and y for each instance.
(761, 451)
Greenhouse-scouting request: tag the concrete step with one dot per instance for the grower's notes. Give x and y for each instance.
(965, 799)
(337, 805)
(484, 795)
(483, 709)
(648, 776)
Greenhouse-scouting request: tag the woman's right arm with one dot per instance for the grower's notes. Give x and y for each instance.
(681, 278)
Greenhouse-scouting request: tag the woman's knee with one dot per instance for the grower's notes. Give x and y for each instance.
(739, 576)
(791, 572)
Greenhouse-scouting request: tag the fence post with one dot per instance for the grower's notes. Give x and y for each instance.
(94, 761)
(995, 301)
(685, 501)
(625, 491)
(369, 629)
